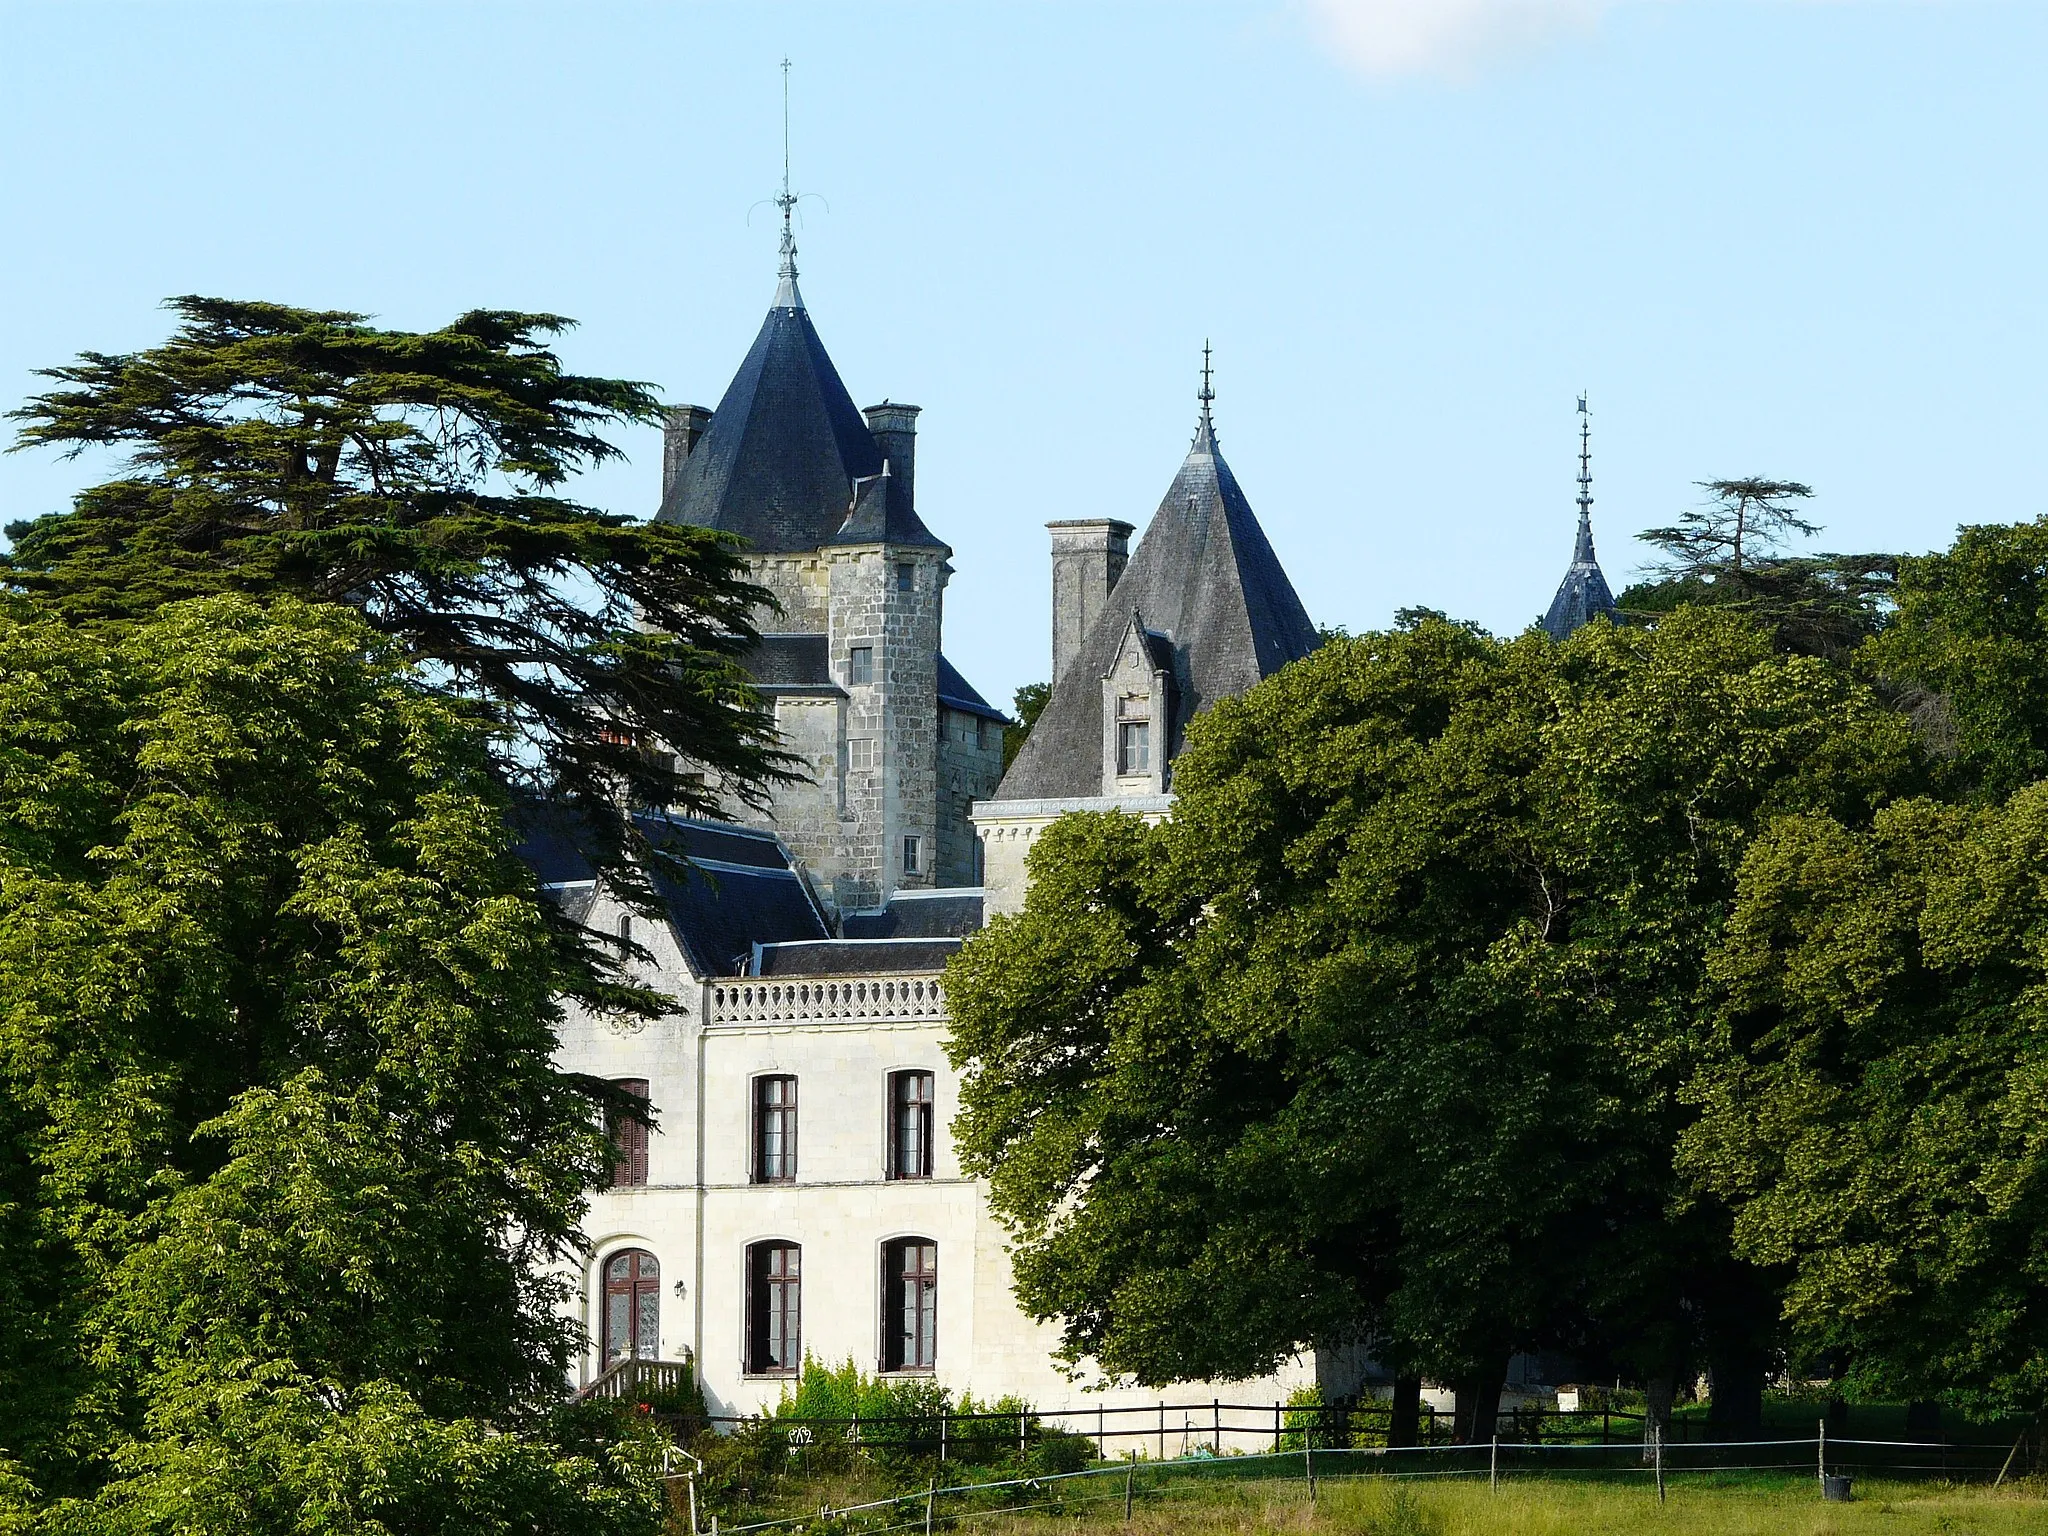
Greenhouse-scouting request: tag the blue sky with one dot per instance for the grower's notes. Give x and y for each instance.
(1794, 238)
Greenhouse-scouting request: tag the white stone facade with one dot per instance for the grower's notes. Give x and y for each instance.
(700, 1209)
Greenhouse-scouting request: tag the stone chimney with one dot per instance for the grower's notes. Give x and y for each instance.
(895, 431)
(685, 424)
(1088, 554)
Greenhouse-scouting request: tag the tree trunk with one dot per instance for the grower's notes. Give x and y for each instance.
(1658, 1391)
(1404, 1426)
(1478, 1409)
(1923, 1420)
(1735, 1372)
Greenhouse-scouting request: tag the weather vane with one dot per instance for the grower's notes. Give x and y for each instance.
(1585, 461)
(1207, 394)
(787, 202)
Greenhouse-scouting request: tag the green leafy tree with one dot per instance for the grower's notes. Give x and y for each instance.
(1968, 649)
(415, 477)
(1382, 1032)
(1875, 1111)
(1029, 703)
(289, 1171)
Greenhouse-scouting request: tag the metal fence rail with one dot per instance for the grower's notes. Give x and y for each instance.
(1165, 1429)
(1827, 1458)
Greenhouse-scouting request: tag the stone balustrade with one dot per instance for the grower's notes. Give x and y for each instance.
(828, 1000)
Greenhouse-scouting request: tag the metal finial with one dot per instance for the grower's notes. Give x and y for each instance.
(787, 202)
(1206, 394)
(1585, 461)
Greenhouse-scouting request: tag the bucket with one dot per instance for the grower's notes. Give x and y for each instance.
(1834, 1488)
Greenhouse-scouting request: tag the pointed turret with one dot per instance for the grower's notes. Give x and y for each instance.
(1219, 615)
(1583, 595)
(780, 459)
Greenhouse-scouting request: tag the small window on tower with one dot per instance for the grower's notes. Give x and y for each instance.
(906, 577)
(860, 665)
(913, 855)
(863, 754)
(1134, 747)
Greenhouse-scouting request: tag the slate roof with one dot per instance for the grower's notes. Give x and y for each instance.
(778, 463)
(1583, 595)
(798, 661)
(955, 692)
(882, 514)
(853, 957)
(1203, 577)
(939, 914)
(724, 889)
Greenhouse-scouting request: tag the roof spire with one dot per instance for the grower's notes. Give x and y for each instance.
(786, 296)
(1583, 553)
(1205, 428)
(1584, 594)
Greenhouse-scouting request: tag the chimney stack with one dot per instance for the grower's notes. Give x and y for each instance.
(895, 433)
(684, 425)
(1088, 555)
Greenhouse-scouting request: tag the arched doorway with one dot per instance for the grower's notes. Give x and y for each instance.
(632, 1305)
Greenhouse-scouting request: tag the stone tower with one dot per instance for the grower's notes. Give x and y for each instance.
(894, 742)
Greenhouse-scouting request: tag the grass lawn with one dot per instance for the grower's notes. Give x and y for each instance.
(1752, 1506)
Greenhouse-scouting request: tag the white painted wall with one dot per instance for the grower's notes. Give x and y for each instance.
(698, 1212)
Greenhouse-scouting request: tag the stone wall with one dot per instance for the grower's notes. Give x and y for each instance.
(897, 712)
(970, 768)
(802, 584)
(812, 816)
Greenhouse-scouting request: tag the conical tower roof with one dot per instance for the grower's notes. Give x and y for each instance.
(1583, 594)
(1208, 585)
(778, 463)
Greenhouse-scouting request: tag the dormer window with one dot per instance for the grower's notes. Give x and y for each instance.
(1133, 734)
(1134, 747)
